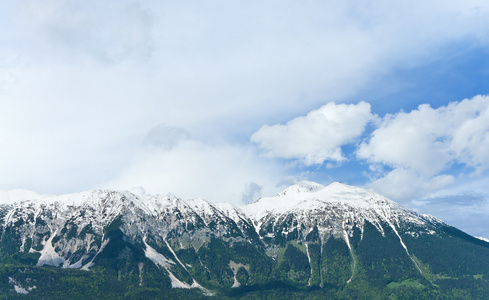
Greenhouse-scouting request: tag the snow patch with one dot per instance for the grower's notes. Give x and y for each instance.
(90, 263)
(231, 211)
(201, 205)
(175, 283)
(195, 284)
(347, 240)
(404, 246)
(20, 290)
(48, 254)
(155, 257)
(482, 238)
(309, 259)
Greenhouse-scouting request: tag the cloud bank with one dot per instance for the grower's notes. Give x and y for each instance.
(423, 146)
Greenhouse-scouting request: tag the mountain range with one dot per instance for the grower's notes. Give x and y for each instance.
(309, 241)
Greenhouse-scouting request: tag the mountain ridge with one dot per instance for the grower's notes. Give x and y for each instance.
(150, 202)
(308, 235)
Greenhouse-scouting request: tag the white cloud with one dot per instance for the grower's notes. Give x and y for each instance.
(470, 140)
(423, 144)
(220, 69)
(415, 141)
(401, 184)
(251, 193)
(108, 31)
(191, 169)
(318, 136)
(166, 136)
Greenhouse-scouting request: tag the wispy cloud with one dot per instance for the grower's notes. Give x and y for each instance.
(104, 31)
(462, 209)
(167, 137)
(251, 193)
(193, 168)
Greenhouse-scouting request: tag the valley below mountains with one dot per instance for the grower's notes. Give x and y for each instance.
(309, 242)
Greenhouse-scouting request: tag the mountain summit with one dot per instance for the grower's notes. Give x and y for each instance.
(335, 240)
(307, 195)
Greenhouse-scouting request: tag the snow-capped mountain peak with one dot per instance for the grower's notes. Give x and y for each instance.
(298, 234)
(302, 187)
(351, 195)
(309, 195)
(79, 230)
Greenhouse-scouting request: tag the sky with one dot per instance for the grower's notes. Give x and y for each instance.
(234, 100)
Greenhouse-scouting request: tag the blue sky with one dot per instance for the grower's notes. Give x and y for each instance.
(231, 101)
